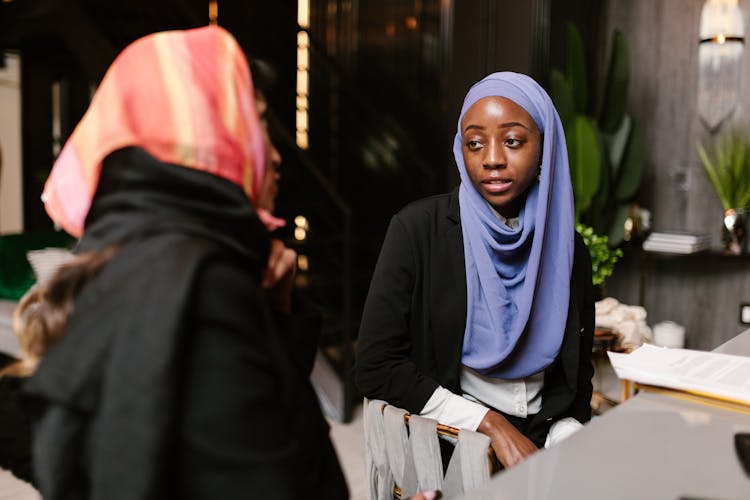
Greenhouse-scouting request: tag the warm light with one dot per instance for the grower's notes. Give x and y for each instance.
(303, 39)
(301, 126)
(302, 82)
(302, 263)
(303, 58)
(720, 56)
(721, 22)
(303, 86)
(411, 22)
(390, 29)
(300, 234)
(301, 221)
(213, 12)
(303, 13)
(302, 139)
(301, 119)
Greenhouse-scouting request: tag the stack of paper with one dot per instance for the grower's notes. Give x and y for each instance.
(721, 376)
(676, 242)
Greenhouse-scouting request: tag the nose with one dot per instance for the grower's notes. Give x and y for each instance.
(494, 155)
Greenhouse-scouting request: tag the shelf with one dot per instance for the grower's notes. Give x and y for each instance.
(713, 253)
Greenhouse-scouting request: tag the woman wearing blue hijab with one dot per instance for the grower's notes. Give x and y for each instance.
(480, 312)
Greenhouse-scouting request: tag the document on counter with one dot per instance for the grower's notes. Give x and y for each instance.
(712, 374)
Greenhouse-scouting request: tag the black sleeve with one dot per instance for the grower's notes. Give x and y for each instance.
(384, 369)
(234, 436)
(300, 332)
(581, 408)
(15, 427)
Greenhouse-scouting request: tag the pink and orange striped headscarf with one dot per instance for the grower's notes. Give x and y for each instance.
(186, 97)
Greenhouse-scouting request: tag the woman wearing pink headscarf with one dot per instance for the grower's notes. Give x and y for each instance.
(168, 359)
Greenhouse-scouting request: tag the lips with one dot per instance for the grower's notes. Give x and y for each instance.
(496, 186)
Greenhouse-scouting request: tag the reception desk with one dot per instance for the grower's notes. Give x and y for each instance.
(650, 447)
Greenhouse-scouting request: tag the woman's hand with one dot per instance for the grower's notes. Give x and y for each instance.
(510, 445)
(278, 277)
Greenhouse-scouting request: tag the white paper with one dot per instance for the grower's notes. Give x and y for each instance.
(722, 375)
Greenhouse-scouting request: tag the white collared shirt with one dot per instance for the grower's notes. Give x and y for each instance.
(519, 397)
(512, 223)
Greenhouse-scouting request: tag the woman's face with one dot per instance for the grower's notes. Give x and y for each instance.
(501, 146)
(270, 187)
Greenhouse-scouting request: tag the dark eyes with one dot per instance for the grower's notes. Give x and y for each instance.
(510, 142)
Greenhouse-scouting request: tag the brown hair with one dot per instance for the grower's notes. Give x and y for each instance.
(42, 314)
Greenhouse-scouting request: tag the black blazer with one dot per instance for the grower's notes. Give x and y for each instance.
(413, 323)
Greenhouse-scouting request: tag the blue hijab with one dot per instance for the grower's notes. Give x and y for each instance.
(518, 280)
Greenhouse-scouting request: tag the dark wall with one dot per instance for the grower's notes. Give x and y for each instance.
(270, 33)
(486, 36)
(702, 292)
(587, 16)
(505, 35)
(42, 66)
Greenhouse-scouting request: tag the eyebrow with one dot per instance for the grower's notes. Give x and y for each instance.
(502, 125)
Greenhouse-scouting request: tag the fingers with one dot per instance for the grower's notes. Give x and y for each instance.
(507, 453)
(282, 263)
(513, 451)
(510, 445)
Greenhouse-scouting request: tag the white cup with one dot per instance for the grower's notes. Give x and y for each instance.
(669, 334)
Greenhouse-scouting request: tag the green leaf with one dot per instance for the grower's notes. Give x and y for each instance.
(617, 229)
(562, 96)
(615, 144)
(599, 213)
(616, 85)
(727, 165)
(631, 171)
(585, 161)
(713, 176)
(603, 258)
(575, 58)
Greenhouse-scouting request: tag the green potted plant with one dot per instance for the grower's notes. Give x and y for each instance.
(605, 145)
(605, 150)
(727, 165)
(603, 258)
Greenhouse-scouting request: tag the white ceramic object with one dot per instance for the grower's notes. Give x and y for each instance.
(669, 334)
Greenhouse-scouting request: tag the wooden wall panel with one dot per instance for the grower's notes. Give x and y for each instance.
(702, 293)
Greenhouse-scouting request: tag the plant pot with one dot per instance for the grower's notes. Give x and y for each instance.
(734, 231)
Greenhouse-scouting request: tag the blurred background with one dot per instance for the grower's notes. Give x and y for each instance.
(364, 113)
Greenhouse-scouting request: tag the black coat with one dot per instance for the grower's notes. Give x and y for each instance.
(412, 328)
(174, 379)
